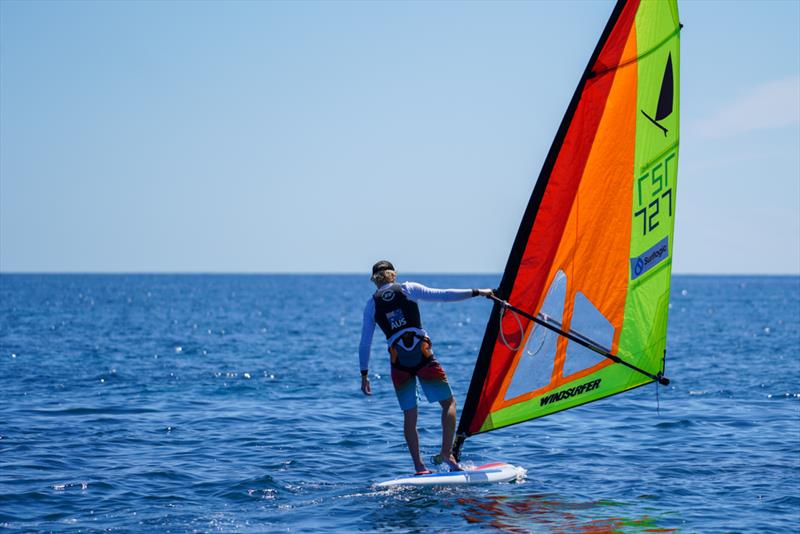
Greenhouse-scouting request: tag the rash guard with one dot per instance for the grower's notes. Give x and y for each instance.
(413, 291)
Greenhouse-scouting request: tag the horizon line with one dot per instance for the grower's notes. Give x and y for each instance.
(330, 273)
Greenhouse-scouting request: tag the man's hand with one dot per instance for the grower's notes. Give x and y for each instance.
(485, 292)
(365, 387)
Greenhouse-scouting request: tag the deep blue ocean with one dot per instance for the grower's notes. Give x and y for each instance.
(218, 403)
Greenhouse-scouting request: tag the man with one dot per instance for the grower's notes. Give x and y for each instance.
(394, 309)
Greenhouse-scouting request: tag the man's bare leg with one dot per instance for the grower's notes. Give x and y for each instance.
(412, 438)
(448, 432)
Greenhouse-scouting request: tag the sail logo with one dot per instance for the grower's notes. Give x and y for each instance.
(571, 392)
(650, 258)
(396, 319)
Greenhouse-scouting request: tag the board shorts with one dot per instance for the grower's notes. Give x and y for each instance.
(410, 365)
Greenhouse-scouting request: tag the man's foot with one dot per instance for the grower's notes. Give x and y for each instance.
(423, 472)
(451, 462)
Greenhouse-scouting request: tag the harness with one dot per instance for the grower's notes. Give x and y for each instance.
(395, 313)
(424, 346)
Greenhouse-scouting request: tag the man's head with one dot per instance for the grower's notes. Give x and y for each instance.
(383, 273)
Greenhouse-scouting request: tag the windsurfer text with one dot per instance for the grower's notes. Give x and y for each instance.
(571, 392)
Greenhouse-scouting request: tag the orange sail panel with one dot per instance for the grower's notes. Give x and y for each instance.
(579, 255)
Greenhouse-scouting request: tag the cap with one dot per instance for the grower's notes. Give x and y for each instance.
(382, 265)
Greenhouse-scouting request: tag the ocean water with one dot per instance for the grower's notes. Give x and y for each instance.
(232, 404)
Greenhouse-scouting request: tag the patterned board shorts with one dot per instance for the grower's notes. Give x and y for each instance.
(409, 367)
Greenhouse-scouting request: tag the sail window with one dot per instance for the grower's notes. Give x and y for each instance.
(590, 323)
(535, 367)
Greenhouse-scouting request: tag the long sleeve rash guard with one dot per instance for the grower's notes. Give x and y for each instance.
(413, 291)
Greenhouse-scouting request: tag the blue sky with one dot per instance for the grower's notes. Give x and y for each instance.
(319, 137)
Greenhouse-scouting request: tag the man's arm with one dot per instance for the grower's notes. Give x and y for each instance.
(364, 348)
(416, 291)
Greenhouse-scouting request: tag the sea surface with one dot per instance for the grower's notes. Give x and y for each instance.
(215, 403)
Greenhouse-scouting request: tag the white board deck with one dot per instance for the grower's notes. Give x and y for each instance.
(485, 474)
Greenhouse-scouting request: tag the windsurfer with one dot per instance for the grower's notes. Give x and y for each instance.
(394, 309)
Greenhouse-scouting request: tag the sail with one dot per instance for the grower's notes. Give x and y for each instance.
(593, 253)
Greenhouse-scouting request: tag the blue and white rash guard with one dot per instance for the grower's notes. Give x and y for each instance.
(413, 291)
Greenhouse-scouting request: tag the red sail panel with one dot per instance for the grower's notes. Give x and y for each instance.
(541, 232)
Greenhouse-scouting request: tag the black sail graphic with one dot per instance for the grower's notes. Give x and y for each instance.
(664, 107)
(665, 97)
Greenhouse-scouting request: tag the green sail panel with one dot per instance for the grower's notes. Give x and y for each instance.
(644, 332)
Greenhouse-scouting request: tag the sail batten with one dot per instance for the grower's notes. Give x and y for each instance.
(590, 263)
(642, 55)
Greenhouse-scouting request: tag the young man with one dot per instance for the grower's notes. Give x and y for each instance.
(394, 309)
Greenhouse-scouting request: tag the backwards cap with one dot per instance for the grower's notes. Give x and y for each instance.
(382, 265)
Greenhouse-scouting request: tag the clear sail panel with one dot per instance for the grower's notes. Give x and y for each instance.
(535, 366)
(590, 323)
